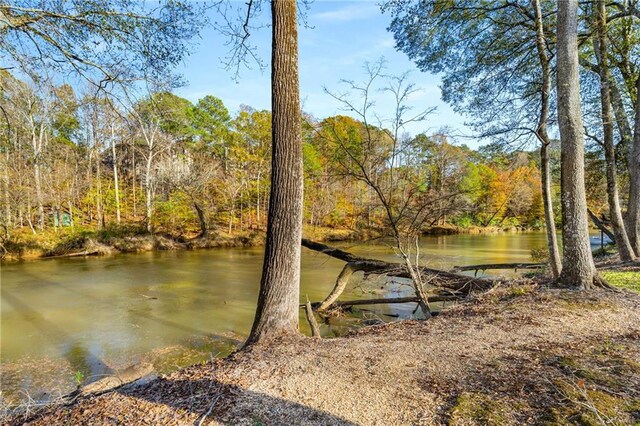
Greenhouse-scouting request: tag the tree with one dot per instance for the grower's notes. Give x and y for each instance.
(160, 120)
(375, 156)
(100, 40)
(496, 61)
(252, 143)
(578, 269)
(602, 54)
(543, 136)
(277, 312)
(633, 214)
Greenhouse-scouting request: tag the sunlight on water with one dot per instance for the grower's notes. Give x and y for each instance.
(95, 315)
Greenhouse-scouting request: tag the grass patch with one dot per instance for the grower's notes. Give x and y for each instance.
(477, 408)
(589, 406)
(581, 304)
(595, 387)
(623, 279)
(607, 250)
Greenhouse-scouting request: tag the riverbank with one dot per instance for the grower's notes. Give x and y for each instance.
(72, 242)
(521, 353)
(450, 229)
(86, 242)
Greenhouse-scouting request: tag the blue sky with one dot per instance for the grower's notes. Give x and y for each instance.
(341, 37)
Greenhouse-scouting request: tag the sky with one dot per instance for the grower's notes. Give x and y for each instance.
(339, 38)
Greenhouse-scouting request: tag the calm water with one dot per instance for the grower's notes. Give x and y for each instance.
(66, 317)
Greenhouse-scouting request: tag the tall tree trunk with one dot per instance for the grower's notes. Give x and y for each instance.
(99, 207)
(36, 175)
(70, 203)
(7, 193)
(633, 212)
(133, 184)
(277, 312)
(33, 230)
(37, 143)
(37, 146)
(148, 192)
(89, 208)
(550, 222)
(622, 240)
(578, 269)
(541, 132)
(258, 198)
(204, 231)
(622, 120)
(116, 185)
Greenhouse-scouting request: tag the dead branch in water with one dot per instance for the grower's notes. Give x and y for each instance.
(315, 330)
(458, 283)
(484, 267)
(410, 299)
(78, 254)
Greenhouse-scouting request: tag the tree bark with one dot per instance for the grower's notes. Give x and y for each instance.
(578, 269)
(541, 132)
(617, 223)
(277, 312)
(633, 211)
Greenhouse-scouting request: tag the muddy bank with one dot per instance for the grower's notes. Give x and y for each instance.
(519, 354)
(449, 229)
(101, 243)
(70, 243)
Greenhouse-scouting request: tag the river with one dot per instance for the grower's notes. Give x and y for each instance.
(75, 319)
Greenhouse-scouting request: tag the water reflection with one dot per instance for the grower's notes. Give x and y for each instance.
(97, 314)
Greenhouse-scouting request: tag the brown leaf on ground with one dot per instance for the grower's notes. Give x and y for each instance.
(521, 354)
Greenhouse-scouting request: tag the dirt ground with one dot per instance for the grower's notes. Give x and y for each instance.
(517, 355)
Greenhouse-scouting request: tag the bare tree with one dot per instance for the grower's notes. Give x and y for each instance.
(376, 162)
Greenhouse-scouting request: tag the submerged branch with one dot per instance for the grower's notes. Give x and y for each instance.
(458, 283)
(410, 299)
(484, 267)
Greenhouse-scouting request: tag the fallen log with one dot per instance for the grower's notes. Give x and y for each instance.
(434, 277)
(457, 283)
(484, 267)
(330, 251)
(601, 226)
(410, 299)
(77, 254)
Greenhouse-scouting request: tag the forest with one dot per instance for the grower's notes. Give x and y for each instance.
(367, 265)
(171, 166)
(133, 160)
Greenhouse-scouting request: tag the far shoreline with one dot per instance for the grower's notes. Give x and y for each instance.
(73, 242)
